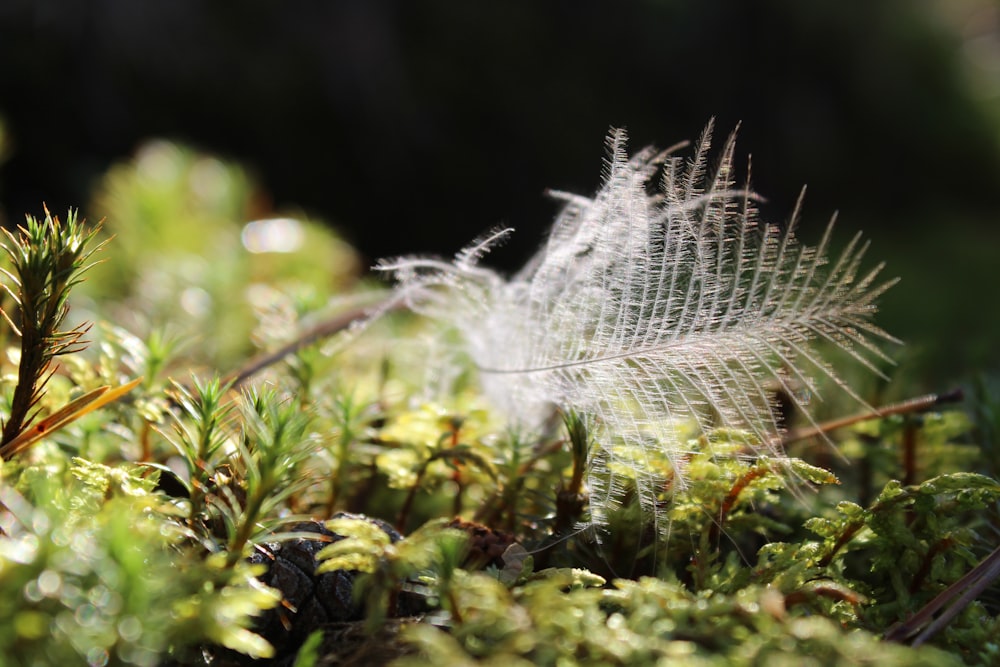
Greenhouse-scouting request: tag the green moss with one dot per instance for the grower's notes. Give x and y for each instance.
(127, 531)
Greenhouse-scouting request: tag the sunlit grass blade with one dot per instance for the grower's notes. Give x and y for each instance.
(69, 413)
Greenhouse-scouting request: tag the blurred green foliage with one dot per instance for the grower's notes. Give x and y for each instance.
(89, 572)
(193, 250)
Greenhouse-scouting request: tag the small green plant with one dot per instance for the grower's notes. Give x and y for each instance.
(47, 260)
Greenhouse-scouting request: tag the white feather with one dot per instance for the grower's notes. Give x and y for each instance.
(652, 307)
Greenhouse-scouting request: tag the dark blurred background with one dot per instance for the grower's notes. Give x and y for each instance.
(414, 126)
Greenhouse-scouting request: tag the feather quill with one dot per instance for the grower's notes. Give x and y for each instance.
(653, 307)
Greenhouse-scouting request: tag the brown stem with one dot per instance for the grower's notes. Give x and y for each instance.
(324, 329)
(963, 592)
(845, 537)
(925, 566)
(741, 483)
(456, 507)
(832, 592)
(404, 511)
(909, 447)
(905, 407)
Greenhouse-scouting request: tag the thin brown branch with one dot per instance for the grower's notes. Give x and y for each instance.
(910, 406)
(324, 329)
(960, 594)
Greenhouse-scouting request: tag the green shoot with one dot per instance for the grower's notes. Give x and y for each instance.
(48, 258)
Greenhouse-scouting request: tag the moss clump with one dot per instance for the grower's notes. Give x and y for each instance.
(139, 524)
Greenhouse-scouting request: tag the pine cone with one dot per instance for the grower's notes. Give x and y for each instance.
(310, 600)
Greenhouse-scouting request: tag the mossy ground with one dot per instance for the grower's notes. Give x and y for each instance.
(128, 530)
